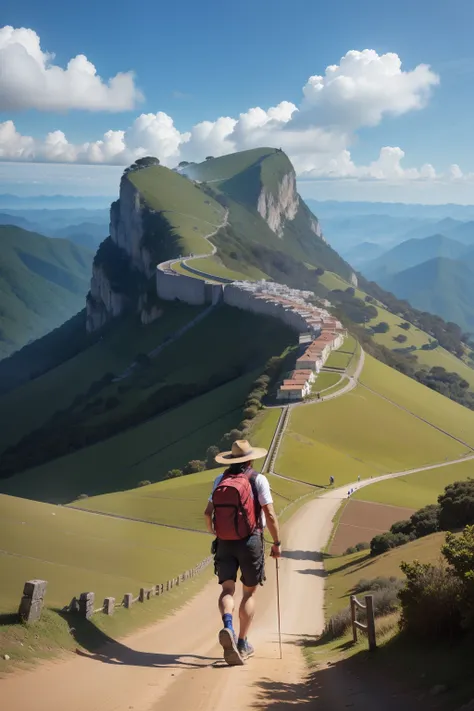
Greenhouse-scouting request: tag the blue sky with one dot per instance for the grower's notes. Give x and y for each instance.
(196, 62)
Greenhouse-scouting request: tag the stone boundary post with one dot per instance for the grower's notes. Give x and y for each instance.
(31, 603)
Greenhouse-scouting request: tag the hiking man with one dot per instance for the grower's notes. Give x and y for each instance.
(239, 508)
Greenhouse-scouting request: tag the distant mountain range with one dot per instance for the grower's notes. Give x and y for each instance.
(86, 228)
(43, 282)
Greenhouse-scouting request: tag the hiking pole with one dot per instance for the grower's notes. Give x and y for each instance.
(277, 564)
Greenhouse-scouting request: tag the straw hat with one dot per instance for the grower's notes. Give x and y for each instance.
(242, 451)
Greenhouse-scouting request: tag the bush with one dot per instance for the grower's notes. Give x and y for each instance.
(430, 601)
(384, 542)
(253, 402)
(250, 412)
(363, 546)
(338, 624)
(405, 527)
(229, 438)
(381, 327)
(457, 505)
(459, 552)
(379, 583)
(400, 338)
(425, 520)
(173, 474)
(194, 466)
(350, 550)
(211, 453)
(144, 482)
(82, 496)
(405, 325)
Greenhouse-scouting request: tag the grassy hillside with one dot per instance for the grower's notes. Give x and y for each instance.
(441, 286)
(416, 490)
(237, 180)
(441, 412)
(43, 282)
(364, 434)
(31, 405)
(191, 212)
(76, 551)
(415, 337)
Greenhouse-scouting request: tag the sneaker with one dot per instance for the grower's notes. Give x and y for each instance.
(228, 643)
(245, 649)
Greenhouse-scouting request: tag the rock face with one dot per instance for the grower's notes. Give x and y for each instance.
(126, 231)
(277, 208)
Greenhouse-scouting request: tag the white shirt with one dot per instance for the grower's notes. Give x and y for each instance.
(263, 490)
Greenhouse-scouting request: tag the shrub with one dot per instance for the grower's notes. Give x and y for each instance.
(383, 542)
(338, 624)
(425, 520)
(350, 550)
(250, 412)
(379, 583)
(210, 456)
(405, 527)
(245, 426)
(430, 601)
(144, 482)
(83, 496)
(194, 466)
(253, 402)
(381, 327)
(457, 505)
(400, 338)
(173, 474)
(229, 438)
(459, 552)
(405, 325)
(363, 546)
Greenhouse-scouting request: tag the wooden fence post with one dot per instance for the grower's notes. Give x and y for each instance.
(353, 618)
(369, 604)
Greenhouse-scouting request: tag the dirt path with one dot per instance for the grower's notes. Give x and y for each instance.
(176, 664)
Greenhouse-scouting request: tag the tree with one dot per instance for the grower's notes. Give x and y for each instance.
(350, 290)
(405, 325)
(229, 438)
(211, 453)
(369, 299)
(183, 164)
(400, 338)
(319, 271)
(381, 327)
(144, 482)
(209, 157)
(141, 163)
(194, 466)
(456, 505)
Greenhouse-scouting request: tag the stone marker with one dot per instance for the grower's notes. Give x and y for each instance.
(128, 600)
(31, 603)
(109, 605)
(142, 595)
(86, 604)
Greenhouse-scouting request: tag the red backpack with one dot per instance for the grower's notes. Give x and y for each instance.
(236, 507)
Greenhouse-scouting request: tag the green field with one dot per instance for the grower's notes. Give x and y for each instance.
(213, 265)
(191, 212)
(344, 572)
(263, 428)
(363, 434)
(416, 490)
(338, 359)
(76, 552)
(144, 452)
(227, 167)
(420, 400)
(32, 404)
(325, 380)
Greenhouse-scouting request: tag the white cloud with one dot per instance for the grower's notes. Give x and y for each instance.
(30, 80)
(316, 134)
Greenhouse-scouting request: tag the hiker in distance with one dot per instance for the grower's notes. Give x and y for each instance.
(239, 508)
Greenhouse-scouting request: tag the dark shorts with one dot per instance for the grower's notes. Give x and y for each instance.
(248, 555)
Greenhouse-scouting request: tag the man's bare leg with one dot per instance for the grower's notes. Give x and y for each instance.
(246, 613)
(226, 635)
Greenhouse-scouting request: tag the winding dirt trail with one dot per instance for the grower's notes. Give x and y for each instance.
(176, 664)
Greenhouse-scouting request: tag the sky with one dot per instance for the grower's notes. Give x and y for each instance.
(370, 100)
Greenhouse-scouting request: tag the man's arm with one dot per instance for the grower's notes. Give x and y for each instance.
(273, 527)
(208, 517)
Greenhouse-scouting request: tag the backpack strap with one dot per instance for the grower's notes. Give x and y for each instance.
(258, 509)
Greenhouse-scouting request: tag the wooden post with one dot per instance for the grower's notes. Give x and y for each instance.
(353, 618)
(369, 603)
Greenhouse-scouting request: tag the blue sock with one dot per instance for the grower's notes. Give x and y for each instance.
(227, 620)
(241, 641)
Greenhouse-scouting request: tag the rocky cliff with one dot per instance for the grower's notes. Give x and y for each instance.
(276, 207)
(120, 260)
